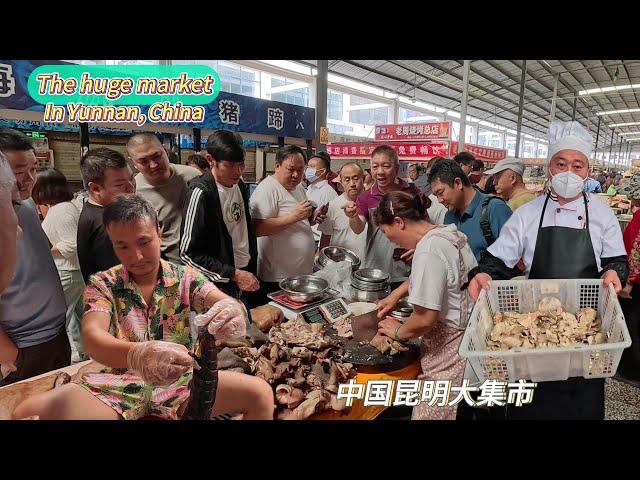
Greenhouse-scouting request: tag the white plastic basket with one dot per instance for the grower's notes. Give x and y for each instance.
(545, 364)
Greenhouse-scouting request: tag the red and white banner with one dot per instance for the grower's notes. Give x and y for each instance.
(413, 131)
(481, 152)
(424, 150)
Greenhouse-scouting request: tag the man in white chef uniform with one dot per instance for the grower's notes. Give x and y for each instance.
(564, 233)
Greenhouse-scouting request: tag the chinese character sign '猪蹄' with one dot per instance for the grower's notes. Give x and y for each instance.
(229, 112)
(275, 118)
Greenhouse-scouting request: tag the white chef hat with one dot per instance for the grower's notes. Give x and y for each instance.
(569, 136)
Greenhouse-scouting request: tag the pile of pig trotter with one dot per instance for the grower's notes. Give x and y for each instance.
(302, 364)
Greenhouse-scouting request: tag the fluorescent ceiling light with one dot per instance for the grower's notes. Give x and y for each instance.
(355, 85)
(608, 89)
(630, 133)
(453, 114)
(628, 124)
(287, 65)
(611, 112)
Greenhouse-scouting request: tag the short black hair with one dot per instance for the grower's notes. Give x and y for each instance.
(51, 188)
(464, 158)
(477, 166)
(436, 160)
(95, 163)
(446, 171)
(141, 138)
(199, 161)
(326, 159)
(225, 145)
(490, 185)
(14, 140)
(127, 208)
(288, 150)
(387, 150)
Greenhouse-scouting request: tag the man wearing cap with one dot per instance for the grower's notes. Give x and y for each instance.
(509, 183)
(564, 233)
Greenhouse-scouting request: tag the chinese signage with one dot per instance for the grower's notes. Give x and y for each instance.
(489, 154)
(437, 393)
(413, 131)
(228, 111)
(409, 149)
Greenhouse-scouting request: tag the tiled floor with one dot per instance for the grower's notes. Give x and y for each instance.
(622, 401)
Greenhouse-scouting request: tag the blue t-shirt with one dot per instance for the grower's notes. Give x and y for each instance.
(32, 307)
(592, 186)
(469, 222)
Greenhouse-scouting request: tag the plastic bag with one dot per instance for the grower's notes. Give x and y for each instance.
(338, 274)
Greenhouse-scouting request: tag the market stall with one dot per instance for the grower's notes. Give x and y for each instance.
(306, 342)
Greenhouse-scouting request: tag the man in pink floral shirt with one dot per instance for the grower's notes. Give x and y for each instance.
(137, 321)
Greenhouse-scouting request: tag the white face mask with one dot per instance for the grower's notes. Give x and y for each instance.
(567, 184)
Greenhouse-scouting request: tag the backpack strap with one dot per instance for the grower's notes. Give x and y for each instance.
(485, 225)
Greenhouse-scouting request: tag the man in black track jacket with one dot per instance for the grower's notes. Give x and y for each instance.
(216, 235)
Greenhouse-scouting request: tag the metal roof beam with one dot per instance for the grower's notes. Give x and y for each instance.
(473, 96)
(531, 88)
(448, 71)
(419, 87)
(566, 85)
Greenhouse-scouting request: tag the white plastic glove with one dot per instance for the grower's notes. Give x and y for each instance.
(159, 363)
(8, 184)
(226, 319)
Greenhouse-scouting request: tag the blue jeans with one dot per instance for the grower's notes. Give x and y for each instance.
(73, 287)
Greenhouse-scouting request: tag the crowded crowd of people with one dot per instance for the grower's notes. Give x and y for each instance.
(118, 271)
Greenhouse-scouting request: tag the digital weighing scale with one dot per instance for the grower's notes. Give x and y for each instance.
(325, 310)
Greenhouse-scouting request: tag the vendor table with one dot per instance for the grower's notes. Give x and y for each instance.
(358, 411)
(12, 395)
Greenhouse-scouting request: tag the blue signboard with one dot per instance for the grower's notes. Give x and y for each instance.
(228, 111)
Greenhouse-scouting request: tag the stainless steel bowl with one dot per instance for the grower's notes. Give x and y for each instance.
(304, 288)
(369, 287)
(362, 296)
(404, 306)
(371, 275)
(316, 266)
(338, 254)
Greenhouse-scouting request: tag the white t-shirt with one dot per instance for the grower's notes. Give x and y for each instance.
(435, 277)
(234, 218)
(436, 211)
(291, 251)
(321, 193)
(61, 227)
(337, 227)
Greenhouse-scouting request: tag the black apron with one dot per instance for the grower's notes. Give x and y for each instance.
(563, 252)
